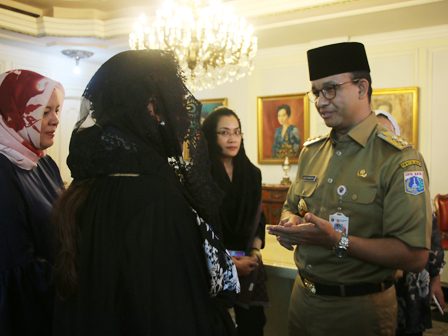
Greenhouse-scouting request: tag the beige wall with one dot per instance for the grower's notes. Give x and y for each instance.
(399, 59)
(404, 59)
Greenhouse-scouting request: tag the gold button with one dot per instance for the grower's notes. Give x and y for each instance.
(354, 197)
(362, 173)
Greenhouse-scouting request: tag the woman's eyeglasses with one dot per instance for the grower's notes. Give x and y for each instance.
(227, 134)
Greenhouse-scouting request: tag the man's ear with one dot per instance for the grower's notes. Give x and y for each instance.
(363, 86)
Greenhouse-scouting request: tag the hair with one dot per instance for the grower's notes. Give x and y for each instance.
(286, 108)
(365, 75)
(209, 129)
(65, 216)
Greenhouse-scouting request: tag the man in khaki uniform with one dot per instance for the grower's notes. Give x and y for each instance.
(358, 209)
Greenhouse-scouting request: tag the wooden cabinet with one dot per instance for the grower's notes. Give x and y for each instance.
(273, 195)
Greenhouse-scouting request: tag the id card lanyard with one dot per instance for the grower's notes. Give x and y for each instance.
(339, 220)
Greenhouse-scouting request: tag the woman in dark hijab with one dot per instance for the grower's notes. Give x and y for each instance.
(242, 219)
(135, 255)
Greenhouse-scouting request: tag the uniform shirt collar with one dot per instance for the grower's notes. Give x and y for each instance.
(361, 132)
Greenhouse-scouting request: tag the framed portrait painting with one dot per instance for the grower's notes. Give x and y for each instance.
(402, 103)
(209, 104)
(283, 127)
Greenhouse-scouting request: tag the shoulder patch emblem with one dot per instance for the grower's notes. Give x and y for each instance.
(394, 140)
(414, 183)
(318, 138)
(410, 163)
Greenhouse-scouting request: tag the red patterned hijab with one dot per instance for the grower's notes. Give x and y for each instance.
(24, 95)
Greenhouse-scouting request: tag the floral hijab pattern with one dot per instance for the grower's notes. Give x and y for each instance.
(24, 95)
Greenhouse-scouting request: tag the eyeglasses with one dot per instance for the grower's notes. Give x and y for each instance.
(227, 134)
(329, 92)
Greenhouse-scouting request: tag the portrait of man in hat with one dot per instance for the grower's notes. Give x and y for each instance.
(356, 176)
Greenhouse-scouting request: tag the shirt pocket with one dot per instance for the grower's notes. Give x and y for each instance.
(305, 189)
(361, 205)
(360, 194)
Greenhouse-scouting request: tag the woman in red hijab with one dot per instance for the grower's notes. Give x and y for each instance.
(30, 106)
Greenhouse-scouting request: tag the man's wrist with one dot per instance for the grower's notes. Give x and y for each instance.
(341, 248)
(336, 238)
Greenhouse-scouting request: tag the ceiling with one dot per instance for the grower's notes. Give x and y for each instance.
(103, 26)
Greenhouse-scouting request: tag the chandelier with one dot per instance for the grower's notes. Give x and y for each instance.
(212, 45)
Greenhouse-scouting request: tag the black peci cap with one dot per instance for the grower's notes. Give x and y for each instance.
(337, 58)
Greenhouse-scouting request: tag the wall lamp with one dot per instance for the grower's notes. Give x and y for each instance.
(77, 55)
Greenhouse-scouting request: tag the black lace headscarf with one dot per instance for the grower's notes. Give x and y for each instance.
(130, 139)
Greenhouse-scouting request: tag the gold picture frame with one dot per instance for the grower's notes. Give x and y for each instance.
(275, 143)
(207, 106)
(402, 103)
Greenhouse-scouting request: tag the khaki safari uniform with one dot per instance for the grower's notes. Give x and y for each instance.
(386, 195)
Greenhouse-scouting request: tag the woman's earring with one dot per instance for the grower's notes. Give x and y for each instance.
(162, 123)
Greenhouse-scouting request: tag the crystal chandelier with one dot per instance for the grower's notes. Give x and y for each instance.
(212, 45)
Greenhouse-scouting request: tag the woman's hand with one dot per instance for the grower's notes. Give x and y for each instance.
(245, 265)
(436, 289)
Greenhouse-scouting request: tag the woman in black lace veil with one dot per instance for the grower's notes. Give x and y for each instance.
(135, 255)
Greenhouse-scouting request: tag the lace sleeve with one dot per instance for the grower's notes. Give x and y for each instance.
(436, 255)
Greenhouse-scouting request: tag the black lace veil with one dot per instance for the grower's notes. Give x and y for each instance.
(118, 95)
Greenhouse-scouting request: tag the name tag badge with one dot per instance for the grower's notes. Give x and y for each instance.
(339, 222)
(309, 178)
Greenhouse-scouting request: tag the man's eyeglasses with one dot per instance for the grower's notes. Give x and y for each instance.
(329, 91)
(227, 134)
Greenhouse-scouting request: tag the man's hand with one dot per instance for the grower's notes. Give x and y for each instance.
(315, 231)
(291, 220)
